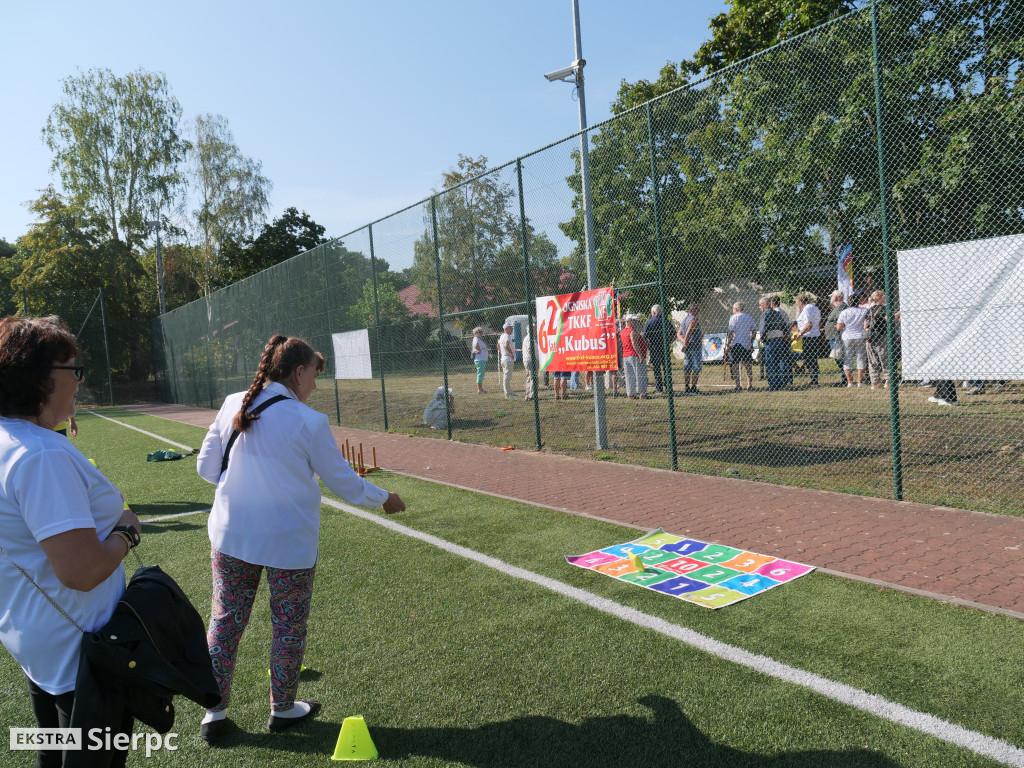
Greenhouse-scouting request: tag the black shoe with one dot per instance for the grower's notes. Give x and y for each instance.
(212, 731)
(277, 724)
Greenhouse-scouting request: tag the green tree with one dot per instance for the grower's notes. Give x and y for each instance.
(117, 149)
(475, 223)
(232, 194)
(288, 235)
(64, 262)
(388, 307)
(751, 26)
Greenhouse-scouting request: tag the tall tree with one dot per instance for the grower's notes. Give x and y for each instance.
(232, 193)
(288, 235)
(117, 149)
(474, 223)
(751, 26)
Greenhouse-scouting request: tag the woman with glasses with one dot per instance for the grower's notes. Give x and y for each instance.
(66, 546)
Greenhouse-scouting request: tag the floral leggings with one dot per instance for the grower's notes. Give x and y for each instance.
(235, 583)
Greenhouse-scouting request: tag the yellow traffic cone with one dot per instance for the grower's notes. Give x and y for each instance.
(354, 742)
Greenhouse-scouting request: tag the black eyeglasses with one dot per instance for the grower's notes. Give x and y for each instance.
(79, 370)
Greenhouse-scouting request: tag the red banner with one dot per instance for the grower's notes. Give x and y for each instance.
(576, 331)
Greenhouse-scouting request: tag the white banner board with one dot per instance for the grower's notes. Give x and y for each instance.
(962, 310)
(352, 355)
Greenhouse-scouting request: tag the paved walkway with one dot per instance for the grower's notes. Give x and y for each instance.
(971, 558)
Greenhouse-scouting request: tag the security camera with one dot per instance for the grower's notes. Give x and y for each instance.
(566, 72)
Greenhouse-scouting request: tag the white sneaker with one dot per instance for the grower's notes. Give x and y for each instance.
(849, 385)
(975, 391)
(934, 399)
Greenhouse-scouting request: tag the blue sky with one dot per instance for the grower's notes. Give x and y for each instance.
(355, 109)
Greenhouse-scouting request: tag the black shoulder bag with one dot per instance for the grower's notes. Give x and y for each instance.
(254, 412)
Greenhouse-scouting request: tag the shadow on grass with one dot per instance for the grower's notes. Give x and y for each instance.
(670, 739)
(783, 455)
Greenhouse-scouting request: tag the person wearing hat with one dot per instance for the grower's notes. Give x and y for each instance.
(506, 359)
(852, 325)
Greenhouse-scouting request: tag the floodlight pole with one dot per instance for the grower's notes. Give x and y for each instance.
(159, 266)
(600, 421)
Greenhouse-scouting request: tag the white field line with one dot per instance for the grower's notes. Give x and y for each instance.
(979, 743)
(164, 439)
(171, 517)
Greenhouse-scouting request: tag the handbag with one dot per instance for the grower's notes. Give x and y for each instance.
(837, 352)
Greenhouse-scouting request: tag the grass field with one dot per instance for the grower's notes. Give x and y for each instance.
(453, 662)
(971, 457)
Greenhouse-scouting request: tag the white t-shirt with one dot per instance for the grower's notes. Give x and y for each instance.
(742, 326)
(267, 507)
(479, 350)
(505, 348)
(853, 320)
(48, 487)
(810, 314)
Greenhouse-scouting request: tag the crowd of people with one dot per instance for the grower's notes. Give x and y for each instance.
(854, 333)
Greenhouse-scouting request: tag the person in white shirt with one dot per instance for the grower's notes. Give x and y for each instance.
(851, 324)
(808, 324)
(529, 354)
(62, 524)
(479, 351)
(266, 515)
(740, 343)
(506, 359)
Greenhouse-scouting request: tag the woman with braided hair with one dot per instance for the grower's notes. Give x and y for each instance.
(264, 453)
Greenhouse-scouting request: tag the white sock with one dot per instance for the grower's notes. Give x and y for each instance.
(212, 717)
(301, 708)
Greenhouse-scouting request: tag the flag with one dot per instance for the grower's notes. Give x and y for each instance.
(844, 269)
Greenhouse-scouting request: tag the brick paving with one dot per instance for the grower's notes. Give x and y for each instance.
(970, 558)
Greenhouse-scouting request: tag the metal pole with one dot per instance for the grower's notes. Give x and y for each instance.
(890, 331)
(531, 332)
(106, 347)
(376, 314)
(665, 346)
(330, 326)
(159, 268)
(600, 421)
(440, 313)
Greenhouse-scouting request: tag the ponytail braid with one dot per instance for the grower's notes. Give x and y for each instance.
(243, 419)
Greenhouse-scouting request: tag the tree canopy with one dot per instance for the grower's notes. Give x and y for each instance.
(117, 148)
(232, 193)
(480, 247)
(771, 167)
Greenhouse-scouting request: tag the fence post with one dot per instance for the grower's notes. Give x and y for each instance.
(531, 330)
(106, 347)
(376, 326)
(666, 356)
(330, 335)
(890, 333)
(440, 313)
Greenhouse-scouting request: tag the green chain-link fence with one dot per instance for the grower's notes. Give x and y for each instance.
(84, 313)
(883, 135)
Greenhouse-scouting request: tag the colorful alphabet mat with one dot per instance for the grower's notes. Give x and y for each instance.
(711, 575)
